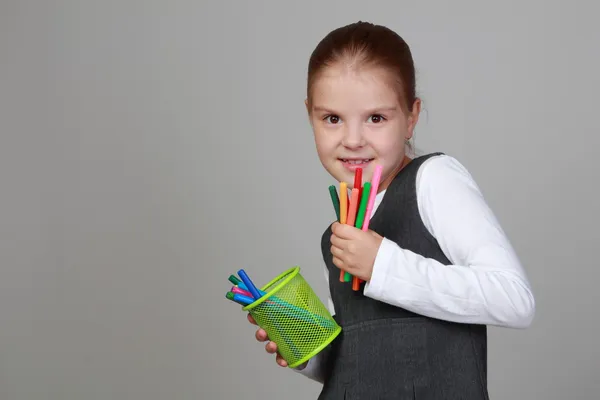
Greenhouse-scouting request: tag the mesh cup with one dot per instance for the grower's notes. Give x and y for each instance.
(294, 318)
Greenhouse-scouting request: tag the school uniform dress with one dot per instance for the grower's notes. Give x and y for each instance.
(445, 270)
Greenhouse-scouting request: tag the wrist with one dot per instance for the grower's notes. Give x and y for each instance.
(301, 366)
(379, 272)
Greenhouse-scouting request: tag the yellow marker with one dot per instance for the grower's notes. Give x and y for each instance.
(343, 202)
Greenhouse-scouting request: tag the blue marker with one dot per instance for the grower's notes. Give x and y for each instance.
(242, 286)
(249, 285)
(239, 298)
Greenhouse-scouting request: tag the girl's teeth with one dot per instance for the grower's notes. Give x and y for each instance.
(357, 161)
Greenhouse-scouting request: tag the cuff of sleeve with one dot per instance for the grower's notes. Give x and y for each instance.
(375, 287)
(311, 370)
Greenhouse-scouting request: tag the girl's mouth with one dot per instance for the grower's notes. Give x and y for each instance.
(353, 163)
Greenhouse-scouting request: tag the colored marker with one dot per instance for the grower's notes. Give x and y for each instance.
(335, 200)
(360, 217)
(343, 212)
(233, 279)
(249, 285)
(364, 198)
(238, 298)
(344, 275)
(237, 290)
(370, 205)
(343, 202)
(372, 196)
(353, 207)
(358, 181)
(244, 287)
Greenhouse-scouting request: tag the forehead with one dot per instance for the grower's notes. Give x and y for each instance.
(348, 88)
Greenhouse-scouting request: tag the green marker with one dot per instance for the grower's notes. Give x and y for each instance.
(233, 279)
(335, 200)
(360, 218)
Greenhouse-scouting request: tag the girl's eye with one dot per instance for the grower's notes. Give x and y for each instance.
(377, 118)
(332, 119)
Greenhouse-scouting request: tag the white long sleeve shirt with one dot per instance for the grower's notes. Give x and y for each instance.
(485, 284)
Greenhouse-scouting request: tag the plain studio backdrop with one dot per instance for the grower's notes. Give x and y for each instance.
(150, 149)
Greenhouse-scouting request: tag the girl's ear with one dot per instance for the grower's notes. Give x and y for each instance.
(413, 117)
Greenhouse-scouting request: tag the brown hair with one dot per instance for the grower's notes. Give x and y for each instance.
(366, 44)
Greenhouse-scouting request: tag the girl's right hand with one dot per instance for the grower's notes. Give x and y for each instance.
(271, 347)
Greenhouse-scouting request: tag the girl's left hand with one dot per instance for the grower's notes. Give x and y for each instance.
(354, 250)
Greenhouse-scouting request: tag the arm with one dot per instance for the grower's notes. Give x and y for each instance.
(485, 284)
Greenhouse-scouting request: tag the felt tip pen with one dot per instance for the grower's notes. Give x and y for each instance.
(343, 202)
(244, 287)
(249, 285)
(237, 290)
(231, 296)
(234, 279)
(335, 200)
(239, 298)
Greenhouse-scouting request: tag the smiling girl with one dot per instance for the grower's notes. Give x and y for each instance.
(437, 265)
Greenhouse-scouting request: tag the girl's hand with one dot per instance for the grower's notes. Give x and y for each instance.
(354, 250)
(270, 347)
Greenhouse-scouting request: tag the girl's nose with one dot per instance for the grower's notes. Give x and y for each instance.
(353, 138)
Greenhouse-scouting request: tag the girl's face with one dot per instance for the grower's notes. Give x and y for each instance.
(358, 121)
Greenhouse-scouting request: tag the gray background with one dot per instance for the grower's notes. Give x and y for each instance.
(149, 149)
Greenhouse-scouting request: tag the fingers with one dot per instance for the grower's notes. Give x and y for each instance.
(261, 335)
(339, 263)
(344, 231)
(281, 361)
(336, 251)
(337, 241)
(270, 347)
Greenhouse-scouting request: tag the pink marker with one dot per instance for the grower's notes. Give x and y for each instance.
(243, 292)
(371, 204)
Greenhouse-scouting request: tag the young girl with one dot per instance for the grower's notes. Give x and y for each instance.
(436, 264)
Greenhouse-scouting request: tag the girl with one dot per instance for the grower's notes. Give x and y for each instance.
(436, 264)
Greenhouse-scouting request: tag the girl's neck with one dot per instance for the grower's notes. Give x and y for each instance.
(384, 185)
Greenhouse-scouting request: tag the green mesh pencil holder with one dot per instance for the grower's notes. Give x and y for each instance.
(294, 318)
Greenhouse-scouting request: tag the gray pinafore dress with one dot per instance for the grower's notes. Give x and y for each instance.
(386, 352)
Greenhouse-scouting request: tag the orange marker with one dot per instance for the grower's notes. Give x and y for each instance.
(353, 206)
(343, 212)
(343, 202)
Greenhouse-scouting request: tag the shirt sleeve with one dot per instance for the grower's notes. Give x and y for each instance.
(314, 368)
(485, 283)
